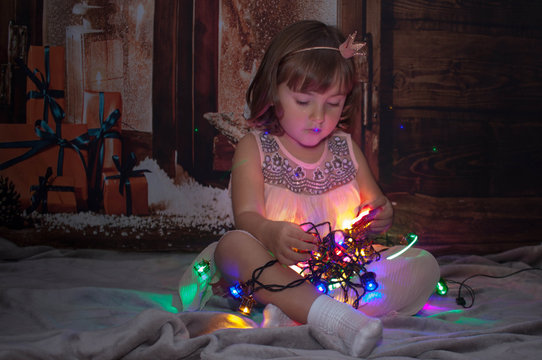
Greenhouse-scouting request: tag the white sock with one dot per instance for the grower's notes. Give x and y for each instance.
(274, 317)
(358, 332)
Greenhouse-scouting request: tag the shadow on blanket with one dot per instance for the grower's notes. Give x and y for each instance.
(110, 305)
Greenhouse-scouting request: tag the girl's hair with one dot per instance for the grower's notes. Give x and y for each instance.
(304, 71)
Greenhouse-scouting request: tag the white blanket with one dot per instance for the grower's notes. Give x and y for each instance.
(82, 304)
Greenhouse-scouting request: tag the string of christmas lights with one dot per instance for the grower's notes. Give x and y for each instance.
(339, 262)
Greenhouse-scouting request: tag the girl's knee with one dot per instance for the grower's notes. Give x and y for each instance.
(233, 243)
(237, 253)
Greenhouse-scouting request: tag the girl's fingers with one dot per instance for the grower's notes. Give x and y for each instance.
(304, 247)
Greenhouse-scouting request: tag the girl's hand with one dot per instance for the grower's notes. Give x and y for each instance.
(384, 217)
(289, 243)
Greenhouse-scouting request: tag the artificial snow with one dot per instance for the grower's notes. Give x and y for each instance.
(186, 205)
(197, 204)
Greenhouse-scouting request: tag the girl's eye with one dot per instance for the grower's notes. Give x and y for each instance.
(334, 104)
(302, 102)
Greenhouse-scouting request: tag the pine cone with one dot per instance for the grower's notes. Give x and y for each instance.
(10, 205)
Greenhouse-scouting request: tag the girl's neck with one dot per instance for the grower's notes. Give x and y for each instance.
(309, 155)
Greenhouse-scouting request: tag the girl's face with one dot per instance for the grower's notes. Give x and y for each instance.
(309, 117)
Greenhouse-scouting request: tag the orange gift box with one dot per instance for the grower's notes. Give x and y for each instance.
(116, 203)
(59, 198)
(57, 80)
(59, 194)
(102, 114)
(112, 101)
(26, 173)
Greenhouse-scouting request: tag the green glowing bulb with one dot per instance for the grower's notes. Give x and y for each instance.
(442, 288)
(202, 267)
(411, 238)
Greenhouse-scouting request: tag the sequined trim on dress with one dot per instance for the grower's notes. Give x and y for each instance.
(338, 169)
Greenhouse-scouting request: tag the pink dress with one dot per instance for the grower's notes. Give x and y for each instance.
(327, 191)
(300, 192)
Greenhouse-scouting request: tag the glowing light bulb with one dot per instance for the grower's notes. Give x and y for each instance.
(236, 291)
(442, 287)
(347, 224)
(321, 286)
(409, 237)
(246, 305)
(368, 280)
(296, 268)
(338, 237)
(202, 268)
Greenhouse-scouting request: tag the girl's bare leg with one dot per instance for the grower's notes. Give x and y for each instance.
(336, 325)
(237, 255)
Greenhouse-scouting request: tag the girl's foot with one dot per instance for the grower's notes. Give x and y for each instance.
(344, 329)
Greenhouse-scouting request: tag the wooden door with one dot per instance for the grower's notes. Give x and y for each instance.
(456, 93)
(185, 53)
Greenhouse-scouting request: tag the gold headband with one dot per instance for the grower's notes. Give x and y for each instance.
(347, 49)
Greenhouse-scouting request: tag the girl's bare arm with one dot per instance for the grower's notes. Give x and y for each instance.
(280, 237)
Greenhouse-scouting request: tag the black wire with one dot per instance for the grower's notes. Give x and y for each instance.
(317, 267)
(269, 287)
(460, 300)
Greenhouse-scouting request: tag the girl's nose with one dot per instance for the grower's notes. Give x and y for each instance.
(317, 114)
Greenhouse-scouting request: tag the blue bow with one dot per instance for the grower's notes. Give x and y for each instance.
(126, 171)
(43, 92)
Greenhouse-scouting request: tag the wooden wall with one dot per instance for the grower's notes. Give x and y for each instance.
(463, 84)
(27, 13)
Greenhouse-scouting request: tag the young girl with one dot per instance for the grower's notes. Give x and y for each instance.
(299, 166)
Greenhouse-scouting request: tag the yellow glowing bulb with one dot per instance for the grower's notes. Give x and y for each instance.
(347, 224)
(246, 305)
(296, 268)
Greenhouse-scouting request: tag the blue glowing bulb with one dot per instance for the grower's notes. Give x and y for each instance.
(368, 280)
(236, 291)
(321, 286)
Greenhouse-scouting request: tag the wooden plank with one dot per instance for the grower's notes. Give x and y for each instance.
(164, 87)
(522, 18)
(30, 14)
(465, 154)
(351, 17)
(206, 13)
(466, 81)
(463, 72)
(185, 88)
(371, 132)
(467, 225)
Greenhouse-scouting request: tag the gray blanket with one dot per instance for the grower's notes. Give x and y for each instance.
(93, 304)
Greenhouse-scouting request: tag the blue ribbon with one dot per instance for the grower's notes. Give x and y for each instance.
(47, 134)
(48, 138)
(40, 192)
(43, 92)
(98, 148)
(125, 173)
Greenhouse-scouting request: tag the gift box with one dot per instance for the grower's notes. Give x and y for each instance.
(102, 114)
(54, 194)
(125, 191)
(24, 157)
(61, 195)
(45, 84)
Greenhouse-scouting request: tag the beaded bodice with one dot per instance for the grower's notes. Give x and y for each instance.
(334, 169)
